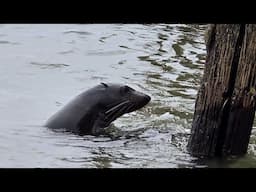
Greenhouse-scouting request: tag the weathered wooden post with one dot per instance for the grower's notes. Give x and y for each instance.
(226, 101)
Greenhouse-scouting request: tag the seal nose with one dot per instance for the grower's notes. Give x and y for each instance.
(148, 98)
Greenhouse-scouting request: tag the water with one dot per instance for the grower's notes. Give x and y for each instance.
(42, 67)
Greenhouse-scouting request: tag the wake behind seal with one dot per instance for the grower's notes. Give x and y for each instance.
(93, 110)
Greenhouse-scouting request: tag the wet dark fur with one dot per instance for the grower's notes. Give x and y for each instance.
(94, 109)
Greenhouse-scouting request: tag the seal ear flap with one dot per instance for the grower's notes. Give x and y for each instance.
(105, 85)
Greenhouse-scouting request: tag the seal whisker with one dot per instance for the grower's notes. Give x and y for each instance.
(117, 113)
(116, 107)
(110, 115)
(130, 107)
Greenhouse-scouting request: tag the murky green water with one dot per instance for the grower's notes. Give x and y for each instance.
(42, 67)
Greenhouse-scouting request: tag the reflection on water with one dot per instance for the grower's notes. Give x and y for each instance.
(247, 161)
(44, 66)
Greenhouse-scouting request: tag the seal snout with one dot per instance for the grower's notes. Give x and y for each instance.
(147, 98)
(143, 100)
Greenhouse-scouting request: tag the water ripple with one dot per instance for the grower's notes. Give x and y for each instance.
(165, 61)
(49, 65)
(77, 32)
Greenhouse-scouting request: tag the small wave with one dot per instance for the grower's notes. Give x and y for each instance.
(49, 65)
(102, 39)
(122, 62)
(8, 42)
(106, 53)
(77, 32)
(66, 52)
(125, 47)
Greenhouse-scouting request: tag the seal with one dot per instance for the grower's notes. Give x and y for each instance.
(93, 110)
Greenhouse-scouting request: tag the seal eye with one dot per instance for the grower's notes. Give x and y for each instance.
(124, 90)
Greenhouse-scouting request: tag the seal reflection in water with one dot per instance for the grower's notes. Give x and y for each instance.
(93, 110)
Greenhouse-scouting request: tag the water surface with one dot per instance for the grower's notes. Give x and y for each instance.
(42, 67)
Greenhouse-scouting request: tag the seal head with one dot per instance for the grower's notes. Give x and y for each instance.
(94, 109)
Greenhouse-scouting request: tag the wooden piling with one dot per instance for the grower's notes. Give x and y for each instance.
(225, 105)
